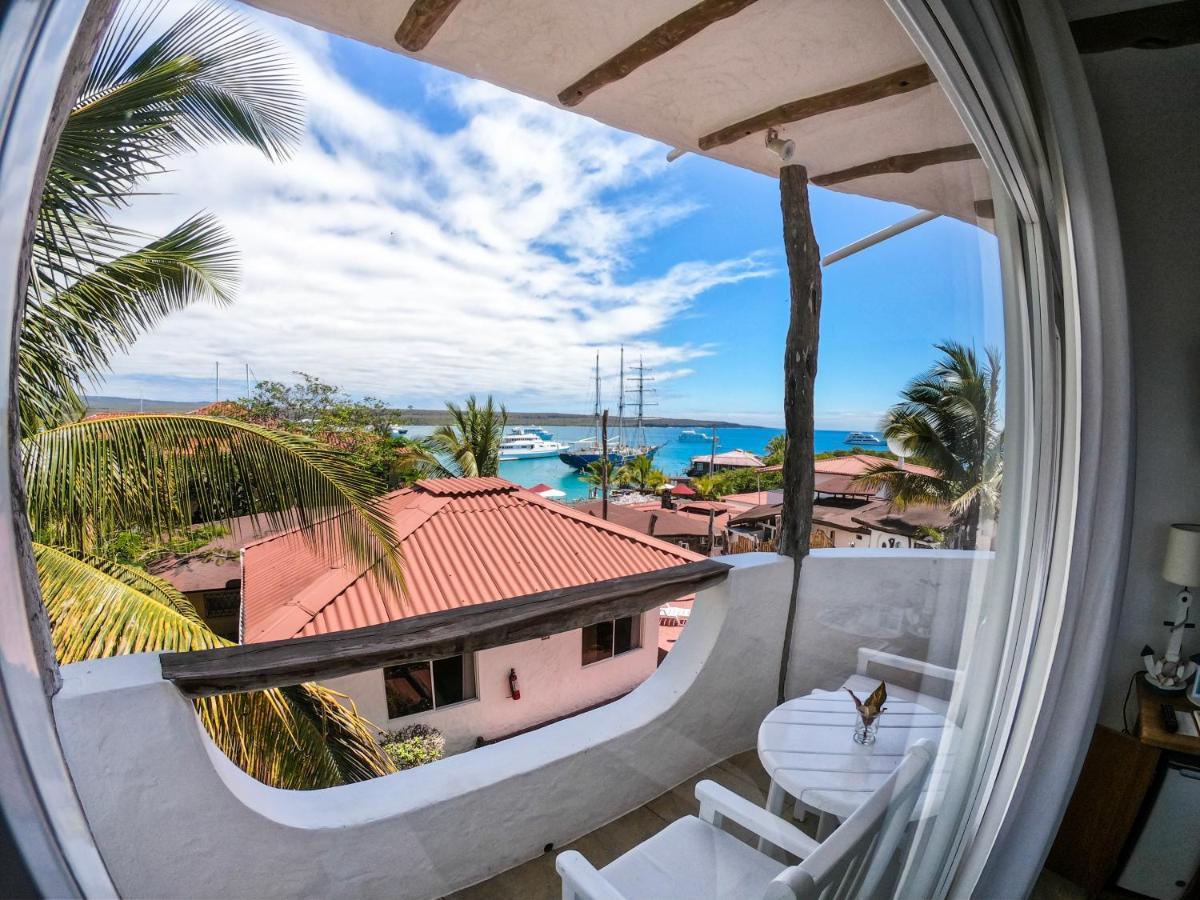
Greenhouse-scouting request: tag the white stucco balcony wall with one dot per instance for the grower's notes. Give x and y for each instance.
(154, 786)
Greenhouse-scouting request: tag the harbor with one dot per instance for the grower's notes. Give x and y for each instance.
(673, 457)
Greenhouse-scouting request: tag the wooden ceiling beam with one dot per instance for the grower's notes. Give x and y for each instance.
(889, 85)
(902, 163)
(1149, 28)
(422, 22)
(665, 37)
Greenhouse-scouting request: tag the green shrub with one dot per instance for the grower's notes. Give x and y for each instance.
(413, 745)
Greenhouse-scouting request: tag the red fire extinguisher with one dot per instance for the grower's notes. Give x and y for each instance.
(513, 687)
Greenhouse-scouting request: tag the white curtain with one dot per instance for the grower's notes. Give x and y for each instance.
(1038, 647)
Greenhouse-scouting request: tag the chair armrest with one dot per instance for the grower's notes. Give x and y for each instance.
(717, 803)
(581, 879)
(866, 656)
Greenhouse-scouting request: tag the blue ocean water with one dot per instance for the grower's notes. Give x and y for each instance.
(674, 457)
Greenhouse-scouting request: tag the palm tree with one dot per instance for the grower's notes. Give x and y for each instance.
(94, 288)
(598, 474)
(775, 450)
(949, 418)
(469, 447)
(640, 473)
(709, 487)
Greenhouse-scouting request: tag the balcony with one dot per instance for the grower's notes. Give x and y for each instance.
(155, 787)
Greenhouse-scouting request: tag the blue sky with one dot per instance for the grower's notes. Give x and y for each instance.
(436, 236)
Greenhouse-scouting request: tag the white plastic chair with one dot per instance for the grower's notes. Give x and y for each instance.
(694, 858)
(933, 684)
(673, 615)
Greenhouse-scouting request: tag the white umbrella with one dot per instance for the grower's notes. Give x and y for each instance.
(553, 494)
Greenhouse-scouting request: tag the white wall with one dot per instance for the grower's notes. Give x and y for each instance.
(908, 602)
(1148, 104)
(156, 789)
(554, 682)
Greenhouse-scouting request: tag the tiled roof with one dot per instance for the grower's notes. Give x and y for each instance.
(909, 521)
(216, 564)
(860, 463)
(464, 541)
(654, 520)
(730, 458)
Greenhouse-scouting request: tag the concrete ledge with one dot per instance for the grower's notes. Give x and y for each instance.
(155, 788)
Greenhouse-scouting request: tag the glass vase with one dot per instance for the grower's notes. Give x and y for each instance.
(864, 730)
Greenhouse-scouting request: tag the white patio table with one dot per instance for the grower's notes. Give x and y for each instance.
(807, 747)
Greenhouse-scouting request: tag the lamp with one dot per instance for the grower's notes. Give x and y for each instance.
(1181, 566)
(784, 149)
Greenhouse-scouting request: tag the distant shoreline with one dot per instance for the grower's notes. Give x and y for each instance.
(102, 404)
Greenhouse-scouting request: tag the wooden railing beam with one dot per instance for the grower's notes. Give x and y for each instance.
(251, 667)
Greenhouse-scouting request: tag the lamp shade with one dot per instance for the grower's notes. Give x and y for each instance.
(1182, 563)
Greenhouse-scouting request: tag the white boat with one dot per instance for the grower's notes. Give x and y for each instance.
(539, 431)
(691, 436)
(523, 443)
(861, 437)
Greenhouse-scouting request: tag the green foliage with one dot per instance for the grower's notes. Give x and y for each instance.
(949, 417)
(776, 448)
(641, 474)
(300, 737)
(736, 481)
(102, 486)
(413, 746)
(94, 287)
(360, 428)
(469, 447)
(134, 547)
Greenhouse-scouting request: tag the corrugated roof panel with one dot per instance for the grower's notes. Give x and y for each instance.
(465, 541)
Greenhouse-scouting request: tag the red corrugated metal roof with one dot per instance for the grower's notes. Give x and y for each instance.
(859, 464)
(464, 541)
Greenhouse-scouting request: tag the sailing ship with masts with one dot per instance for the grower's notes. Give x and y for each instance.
(583, 453)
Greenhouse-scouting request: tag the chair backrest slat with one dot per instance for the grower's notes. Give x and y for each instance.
(851, 862)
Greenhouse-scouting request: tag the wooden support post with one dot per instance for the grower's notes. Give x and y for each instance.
(800, 373)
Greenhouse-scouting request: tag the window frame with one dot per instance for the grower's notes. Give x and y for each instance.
(635, 635)
(435, 706)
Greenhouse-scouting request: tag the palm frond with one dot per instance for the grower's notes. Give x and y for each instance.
(69, 335)
(208, 77)
(468, 447)
(299, 737)
(161, 473)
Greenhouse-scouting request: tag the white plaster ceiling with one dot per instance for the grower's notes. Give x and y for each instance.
(772, 52)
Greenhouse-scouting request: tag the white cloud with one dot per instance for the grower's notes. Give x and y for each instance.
(419, 265)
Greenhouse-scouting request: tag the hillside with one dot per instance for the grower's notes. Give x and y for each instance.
(100, 404)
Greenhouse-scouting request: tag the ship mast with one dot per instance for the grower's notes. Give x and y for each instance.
(596, 409)
(621, 402)
(640, 378)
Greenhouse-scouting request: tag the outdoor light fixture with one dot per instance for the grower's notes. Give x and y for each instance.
(1181, 566)
(785, 150)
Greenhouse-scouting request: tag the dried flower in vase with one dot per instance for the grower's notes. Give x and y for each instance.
(871, 709)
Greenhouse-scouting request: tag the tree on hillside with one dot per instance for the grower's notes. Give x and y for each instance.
(361, 428)
(950, 418)
(469, 447)
(641, 474)
(94, 288)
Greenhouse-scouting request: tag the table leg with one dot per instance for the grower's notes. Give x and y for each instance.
(775, 800)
